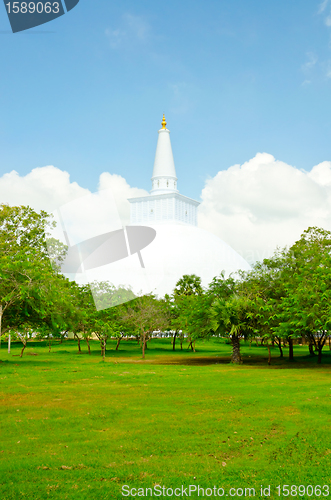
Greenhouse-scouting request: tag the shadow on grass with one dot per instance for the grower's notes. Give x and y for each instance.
(252, 361)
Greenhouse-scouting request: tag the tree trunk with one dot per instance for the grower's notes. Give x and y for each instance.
(290, 352)
(194, 346)
(191, 345)
(144, 344)
(88, 345)
(24, 346)
(49, 344)
(279, 345)
(174, 341)
(320, 345)
(236, 357)
(103, 349)
(269, 356)
(78, 342)
(118, 343)
(281, 350)
(311, 349)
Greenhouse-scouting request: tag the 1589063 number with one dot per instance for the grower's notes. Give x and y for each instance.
(32, 7)
(307, 491)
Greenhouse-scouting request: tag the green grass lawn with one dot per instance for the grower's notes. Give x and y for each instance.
(73, 427)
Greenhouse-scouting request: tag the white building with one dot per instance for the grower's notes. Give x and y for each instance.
(165, 203)
(180, 247)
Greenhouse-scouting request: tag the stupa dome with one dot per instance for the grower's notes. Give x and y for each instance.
(177, 249)
(187, 249)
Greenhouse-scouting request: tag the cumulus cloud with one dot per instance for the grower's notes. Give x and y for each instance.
(49, 188)
(254, 207)
(265, 203)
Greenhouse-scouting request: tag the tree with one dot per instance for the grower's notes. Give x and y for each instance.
(106, 295)
(307, 303)
(145, 315)
(265, 287)
(190, 302)
(189, 284)
(27, 280)
(109, 309)
(230, 318)
(222, 287)
(292, 292)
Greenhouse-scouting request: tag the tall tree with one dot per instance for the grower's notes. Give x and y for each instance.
(307, 302)
(188, 309)
(24, 262)
(231, 318)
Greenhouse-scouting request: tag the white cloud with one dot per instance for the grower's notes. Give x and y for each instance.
(312, 59)
(121, 192)
(48, 188)
(133, 29)
(323, 5)
(137, 25)
(254, 207)
(308, 65)
(265, 203)
(43, 188)
(115, 37)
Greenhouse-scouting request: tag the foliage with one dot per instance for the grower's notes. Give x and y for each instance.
(29, 288)
(189, 284)
(283, 298)
(307, 302)
(231, 318)
(145, 315)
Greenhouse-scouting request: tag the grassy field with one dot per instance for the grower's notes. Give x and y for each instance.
(73, 427)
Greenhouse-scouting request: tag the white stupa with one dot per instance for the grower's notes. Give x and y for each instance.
(164, 204)
(154, 265)
(182, 247)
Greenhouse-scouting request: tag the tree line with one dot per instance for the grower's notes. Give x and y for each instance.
(283, 298)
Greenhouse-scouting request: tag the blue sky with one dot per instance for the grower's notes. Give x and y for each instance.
(86, 92)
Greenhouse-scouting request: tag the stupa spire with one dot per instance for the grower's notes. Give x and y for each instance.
(164, 204)
(164, 178)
